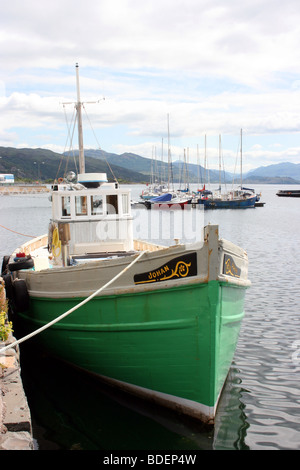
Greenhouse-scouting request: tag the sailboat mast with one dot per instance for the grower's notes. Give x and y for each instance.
(162, 171)
(205, 159)
(241, 159)
(198, 172)
(80, 132)
(219, 162)
(169, 154)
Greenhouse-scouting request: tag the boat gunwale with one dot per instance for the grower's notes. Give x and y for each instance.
(195, 282)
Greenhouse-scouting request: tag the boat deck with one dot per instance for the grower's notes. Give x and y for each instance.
(38, 250)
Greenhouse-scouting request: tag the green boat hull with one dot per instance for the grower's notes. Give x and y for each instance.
(176, 344)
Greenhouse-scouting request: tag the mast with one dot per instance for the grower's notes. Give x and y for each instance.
(151, 168)
(205, 159)
(162, 171)
(219, 162)
(198, 178)
(241, 159)
(80, 133)
(169, 154)
(184, 170)
(187, 170)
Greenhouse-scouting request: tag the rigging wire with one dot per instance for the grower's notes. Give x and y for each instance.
(71, 148)
(68, 137)
(98, 143)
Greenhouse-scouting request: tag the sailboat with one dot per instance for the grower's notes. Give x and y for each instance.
(234, 199)
(155, 321)
(203, 193)
(170, 198)
(156, 186)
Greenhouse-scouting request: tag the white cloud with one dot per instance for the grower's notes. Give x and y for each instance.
(213, 66)
(205, 36)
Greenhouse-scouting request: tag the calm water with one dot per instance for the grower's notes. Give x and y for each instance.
(260, 404)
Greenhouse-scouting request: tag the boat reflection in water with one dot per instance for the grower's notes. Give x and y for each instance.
(73, 411)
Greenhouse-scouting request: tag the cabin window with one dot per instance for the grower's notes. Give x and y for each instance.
(112, 204)
(81, 205)
(65, 206)
(97, 205)
(125, 204)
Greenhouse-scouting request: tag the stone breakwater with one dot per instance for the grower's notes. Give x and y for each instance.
(15, 418)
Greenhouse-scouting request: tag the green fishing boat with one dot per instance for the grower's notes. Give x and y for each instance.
(159, 322)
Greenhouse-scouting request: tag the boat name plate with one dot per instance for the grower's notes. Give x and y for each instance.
(183, 266)
(230, 268)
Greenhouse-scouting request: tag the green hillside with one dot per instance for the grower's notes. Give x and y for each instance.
(45, 165)
(155, 169)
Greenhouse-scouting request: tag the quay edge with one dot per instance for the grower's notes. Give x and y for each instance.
(15, 417)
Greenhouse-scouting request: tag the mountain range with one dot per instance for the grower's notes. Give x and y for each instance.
(45, 165)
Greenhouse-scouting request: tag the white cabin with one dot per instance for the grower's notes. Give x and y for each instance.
(92, 216)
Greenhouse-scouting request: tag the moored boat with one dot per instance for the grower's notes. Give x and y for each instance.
(288, 193)
(241, 198)
(232, 200)
(159, 322)
(153, 190)
(169, 200)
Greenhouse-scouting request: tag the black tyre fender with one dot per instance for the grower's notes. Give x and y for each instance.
(21, 298)
(4, 263)
(8, 281)
(21, 263)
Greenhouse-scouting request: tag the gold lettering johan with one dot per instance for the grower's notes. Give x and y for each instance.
(158, 272)
(175, 268)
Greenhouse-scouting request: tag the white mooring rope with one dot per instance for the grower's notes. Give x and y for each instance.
(97, 292)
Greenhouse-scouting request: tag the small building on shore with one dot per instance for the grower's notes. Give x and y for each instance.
(7, 178)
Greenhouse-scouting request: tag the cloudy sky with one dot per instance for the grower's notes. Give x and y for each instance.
(207, 67)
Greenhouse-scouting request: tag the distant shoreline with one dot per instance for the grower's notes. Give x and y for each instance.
(23, 189)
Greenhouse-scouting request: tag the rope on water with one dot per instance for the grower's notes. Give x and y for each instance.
(97, 292)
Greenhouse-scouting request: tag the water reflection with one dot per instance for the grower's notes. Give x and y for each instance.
(72, 410)
(231, 420)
